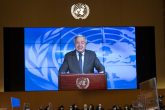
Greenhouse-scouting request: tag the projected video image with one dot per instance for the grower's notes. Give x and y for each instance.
(45, 49)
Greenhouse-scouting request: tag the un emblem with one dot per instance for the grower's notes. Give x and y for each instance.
(82, 83)
(80, 11)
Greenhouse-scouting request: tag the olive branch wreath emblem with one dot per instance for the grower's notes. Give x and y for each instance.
(37, 59)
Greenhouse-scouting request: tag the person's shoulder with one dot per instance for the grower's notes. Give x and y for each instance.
(70, 53)
(90, 51)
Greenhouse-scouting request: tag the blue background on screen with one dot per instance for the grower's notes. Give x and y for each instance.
(45, 49)
(15, 102)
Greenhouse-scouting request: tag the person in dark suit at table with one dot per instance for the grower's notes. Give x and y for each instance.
(81, 60)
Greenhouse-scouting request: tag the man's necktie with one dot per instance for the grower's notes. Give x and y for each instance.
(80, 62)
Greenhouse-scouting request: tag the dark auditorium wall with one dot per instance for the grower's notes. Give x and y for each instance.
(45, 13)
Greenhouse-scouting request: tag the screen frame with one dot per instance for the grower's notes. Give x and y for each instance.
(14, 56)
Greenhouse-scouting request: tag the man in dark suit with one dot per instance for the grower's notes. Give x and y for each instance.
(81, 60)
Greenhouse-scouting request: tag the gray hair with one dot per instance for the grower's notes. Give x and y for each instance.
(77, 36)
